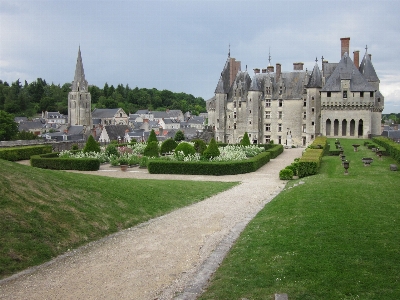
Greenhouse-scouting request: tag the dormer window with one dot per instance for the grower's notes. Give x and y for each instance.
(344, 94)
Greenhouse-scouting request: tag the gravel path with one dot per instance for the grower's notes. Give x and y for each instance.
(172, 256)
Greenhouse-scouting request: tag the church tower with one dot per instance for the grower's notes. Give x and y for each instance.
(79, 99)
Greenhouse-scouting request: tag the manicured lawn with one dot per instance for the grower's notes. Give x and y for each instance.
(331, 237)
(44, 213)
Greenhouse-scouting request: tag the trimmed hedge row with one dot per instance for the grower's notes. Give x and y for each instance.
(208, 168)
(275, 150)
(391, 148)
(23, 153)
(53, 162)
(310, 162)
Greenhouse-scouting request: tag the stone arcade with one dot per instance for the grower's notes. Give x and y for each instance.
(292, 108)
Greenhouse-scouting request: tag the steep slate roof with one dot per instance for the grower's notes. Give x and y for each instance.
(224, 81)
(315, 80)
(347, 70)
(114, 131)
(30, 125)
(367, 69)
(79, 78)
(254, 84)
(100, 113)
(328, 68)
(293, 83)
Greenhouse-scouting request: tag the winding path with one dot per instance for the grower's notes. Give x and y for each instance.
(169, 257)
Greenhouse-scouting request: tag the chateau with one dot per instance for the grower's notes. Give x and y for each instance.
(292, 108)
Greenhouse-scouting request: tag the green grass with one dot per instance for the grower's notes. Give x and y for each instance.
(333, 237)
(43, 213)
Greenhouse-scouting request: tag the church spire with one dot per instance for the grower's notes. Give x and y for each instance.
(79, 83)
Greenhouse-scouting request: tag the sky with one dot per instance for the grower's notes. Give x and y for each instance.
(182, 46)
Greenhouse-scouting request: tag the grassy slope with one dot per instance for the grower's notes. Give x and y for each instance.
(333, 237)
(44, 213)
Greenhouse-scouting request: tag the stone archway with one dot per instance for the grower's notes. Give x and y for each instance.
(344, 127)
(352, 127)
(360, 128)
(336, 127)
(328, 127)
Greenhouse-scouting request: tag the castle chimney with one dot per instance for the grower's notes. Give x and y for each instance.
(278, 71)
(356, 55)
(264, 71)
(298, 66)
(270, 69)
(345, 46)
(256, 71)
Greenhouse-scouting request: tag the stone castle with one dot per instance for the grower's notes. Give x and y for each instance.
(292, 108)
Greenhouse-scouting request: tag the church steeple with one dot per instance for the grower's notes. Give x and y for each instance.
(79, 83)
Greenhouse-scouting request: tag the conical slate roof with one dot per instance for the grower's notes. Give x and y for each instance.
(367, 69)
(79, 83)
(346, 70)
(315, 80)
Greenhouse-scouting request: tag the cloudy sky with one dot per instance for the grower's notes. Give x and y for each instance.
(182, 46)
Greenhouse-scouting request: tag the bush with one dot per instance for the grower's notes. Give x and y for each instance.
(151, 149)
(286, 174)
(152, 137)
(200, 146)
(212, 150)
(111, 150)
(52, 161)
(75, 147)
(91, 145)
(23, 153)
(245, 140)
(168, 146)
(186, 148)
(179, 136)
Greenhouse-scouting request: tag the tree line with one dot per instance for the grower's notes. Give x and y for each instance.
(30, 99)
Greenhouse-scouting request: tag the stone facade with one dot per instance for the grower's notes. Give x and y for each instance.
(79, 99)
(292, 108)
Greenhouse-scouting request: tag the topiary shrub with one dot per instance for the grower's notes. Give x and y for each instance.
(151, 149)
(200, 146)
(91, 145)
(285, 174)
(152, 137)
(111, 150)
(185, 148)
(179, 136)
(168, 146)
(212, 150)
(245, 140)
(75, 147)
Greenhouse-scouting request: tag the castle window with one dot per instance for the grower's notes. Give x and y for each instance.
(304, 115)
(371, 94)
(312, 123)
(280, 102)
(234, 114)
(234, 104)
(279, 127)
(312, 98)
(361, 94)
(249, 134)
(312, 109)
(250, 111)
(234, 125)
(267, 139)
(267, 102)
(304, 128)
(267, 127)
(344, 94)
(328, 94)
(240, 104)
(268, 115)
(279, 115)
(379, 99)
(305, 103)
(250, 122)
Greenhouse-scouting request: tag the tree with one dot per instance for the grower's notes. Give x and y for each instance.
(152, 137)
(8, 128)
(91, 145)
(179, 136)
(168, 146)
(212, 150)
(186, 148)
(200, 146)
(151, 149)
(25, 135)
(245, 140)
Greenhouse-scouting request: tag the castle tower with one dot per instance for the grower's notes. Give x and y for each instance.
(79, 99)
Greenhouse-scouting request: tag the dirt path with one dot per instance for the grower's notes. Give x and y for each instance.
(171, 256)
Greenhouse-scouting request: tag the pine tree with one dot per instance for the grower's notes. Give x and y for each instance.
(245, 140)
(212, 150)
(91, 145)
(152, 137)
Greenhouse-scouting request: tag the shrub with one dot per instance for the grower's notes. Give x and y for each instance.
(111, 150)
(286, 174)
(179, 136)
(91, 145)
(186, 148)
(22, 153)
(245, 140)
(75, 147)
(212, 150)
(152, 137)
(52, 161)
(168, 146)
(151, 149)
(200, 146)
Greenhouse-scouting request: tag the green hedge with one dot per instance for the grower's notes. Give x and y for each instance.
(310, 162)
(208, 168)
(23, 153)
(52, 161)
(274, 149)
(391, 148)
